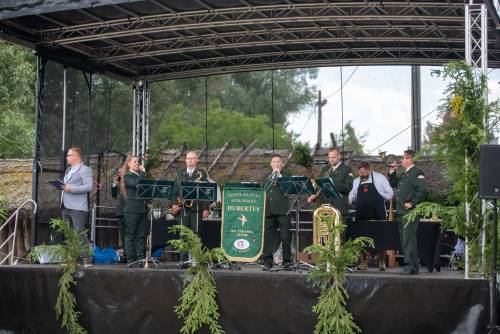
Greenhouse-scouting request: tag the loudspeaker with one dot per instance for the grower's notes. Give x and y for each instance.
(489, 171)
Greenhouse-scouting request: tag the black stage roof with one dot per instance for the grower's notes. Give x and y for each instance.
(166, 39)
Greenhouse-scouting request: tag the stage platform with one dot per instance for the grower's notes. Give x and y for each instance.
(117, 299)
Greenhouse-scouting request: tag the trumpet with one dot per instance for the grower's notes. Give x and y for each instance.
(318, 193)
(188, 203)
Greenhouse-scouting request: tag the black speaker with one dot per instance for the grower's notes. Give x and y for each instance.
(489, 171)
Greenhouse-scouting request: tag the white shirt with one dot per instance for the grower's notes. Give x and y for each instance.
(70, 172)
(334, 168)
(381, 184)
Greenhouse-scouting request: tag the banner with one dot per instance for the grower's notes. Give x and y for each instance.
(243, 216)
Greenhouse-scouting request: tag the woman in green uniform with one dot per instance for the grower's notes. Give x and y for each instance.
(135, 211)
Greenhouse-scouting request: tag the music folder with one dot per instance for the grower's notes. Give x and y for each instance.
(58, 184)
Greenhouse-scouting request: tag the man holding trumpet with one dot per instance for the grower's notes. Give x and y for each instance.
(411, 192)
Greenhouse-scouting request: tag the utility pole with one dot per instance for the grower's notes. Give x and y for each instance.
(320, 103)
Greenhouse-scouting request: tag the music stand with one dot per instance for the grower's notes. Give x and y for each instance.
(149, 190)
(239, 185)
(297, 186)
(328, 188)
(199, 191)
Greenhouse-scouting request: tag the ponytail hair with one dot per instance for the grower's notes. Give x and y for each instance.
(123, 170)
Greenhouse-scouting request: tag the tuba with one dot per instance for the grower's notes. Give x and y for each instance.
(324, 219)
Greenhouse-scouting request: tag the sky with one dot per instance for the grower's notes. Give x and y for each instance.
(377, 101)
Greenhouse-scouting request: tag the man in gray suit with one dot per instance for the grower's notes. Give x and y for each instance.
(78, 183)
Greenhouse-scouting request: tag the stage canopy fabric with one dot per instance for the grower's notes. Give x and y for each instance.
(167, 39)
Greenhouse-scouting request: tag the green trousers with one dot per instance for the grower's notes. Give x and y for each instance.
(408, 237)
(271, 226)
(136, 228)
(121, 225)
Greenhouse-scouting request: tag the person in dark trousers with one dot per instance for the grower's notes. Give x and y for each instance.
(77, 184)
(341, 176)
(120, 205)
(411, 191)
(190, 213)
(135, 211)
(194, 211)
(369, 192)
(277, 206)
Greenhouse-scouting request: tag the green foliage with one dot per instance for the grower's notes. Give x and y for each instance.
(353, 141)
(198, 304)
(72, 248)
(36, 252)
(17, 101)
(302, 156)
(183, 124)
(248, 93)
(455, 144)
(463, 130)
(330, 276)
(451, 216)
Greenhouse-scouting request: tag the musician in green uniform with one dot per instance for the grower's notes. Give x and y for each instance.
(120, 204)
(277, 207)
(411, 191)
(190, 212)
(135, 211)
(341, 176)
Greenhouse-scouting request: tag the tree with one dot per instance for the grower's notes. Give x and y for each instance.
(352, 141)
(240, 107)
(455, 145)
(246, 93)
(188, 125)
(17, 101)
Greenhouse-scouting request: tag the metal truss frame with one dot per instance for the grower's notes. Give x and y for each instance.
(210, 38)
(140, 140)
(476, 55)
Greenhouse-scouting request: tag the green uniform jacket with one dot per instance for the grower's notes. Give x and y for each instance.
(276, 201)
(342, 178)
(197, 175)
(120, 200)
(411, 188)
(132, 204)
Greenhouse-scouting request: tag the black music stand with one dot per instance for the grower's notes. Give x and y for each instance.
(149, 190)
(239, 185)
(198, 191)
(328, 189)
(297, 186)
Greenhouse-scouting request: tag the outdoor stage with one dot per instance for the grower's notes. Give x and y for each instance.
(116, 299)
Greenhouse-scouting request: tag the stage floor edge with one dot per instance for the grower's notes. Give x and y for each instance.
(116, 299)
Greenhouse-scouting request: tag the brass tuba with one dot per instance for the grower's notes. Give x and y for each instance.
(324, 217)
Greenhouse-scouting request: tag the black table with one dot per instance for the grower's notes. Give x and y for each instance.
(209, 231)
(385, 236)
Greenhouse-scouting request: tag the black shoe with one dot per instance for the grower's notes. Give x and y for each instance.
(287, 265)
(267, 266)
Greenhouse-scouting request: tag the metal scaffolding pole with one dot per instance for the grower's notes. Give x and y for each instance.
(416, 110)
(476, 55)
(36, 167)
(63, 125)
(140, 140)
